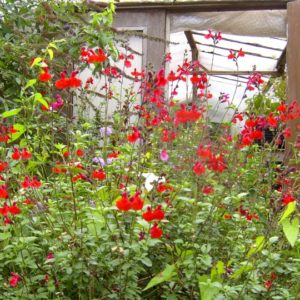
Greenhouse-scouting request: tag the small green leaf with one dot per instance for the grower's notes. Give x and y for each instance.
(166, 275)
(5, 236)
(245, 268)
(20, 129)
(11, 113)
(258, 246)
(217, 270)
(290, 208)
(208, 289)
(38, 97)
(30, 83)
(291, 230)
(36, 61)
(50, 52)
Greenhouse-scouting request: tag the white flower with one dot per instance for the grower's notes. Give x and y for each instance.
(151, 179)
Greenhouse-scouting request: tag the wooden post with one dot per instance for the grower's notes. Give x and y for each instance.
(293, 61)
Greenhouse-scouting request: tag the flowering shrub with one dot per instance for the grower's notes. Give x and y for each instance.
(156, 208)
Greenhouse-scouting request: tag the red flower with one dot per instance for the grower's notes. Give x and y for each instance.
(160, 78)
(132, 138)
(158, 214)
(207, 190)
(124, 204)
(241, 53)
(34, 183)
(268, 284)
(136, 202)
(96, 58)
(80, 152)
(227, 216)
(272, 121)
(162, 188)
(14, 279)
(287, 198)
(204, 151)
(198, 168)
(148, 215)
(4, 210)
(63, 82)
(99, 174)
(156, 232)
(25, 154)
(14, 209)
(3, 192)
(281, 107)
(45, 75)
(66, 154)
(16, 154)
(287, 132)
(3, 165)
(195, 79)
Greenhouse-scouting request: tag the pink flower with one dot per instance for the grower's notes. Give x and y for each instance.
(164, 156)
(14, 279)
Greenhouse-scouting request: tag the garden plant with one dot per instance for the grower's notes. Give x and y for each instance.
(153, 202)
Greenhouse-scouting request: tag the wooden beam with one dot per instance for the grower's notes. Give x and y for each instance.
(238, 73)
(195, 55)
(243, 43)
(293, 62)
(196, 6)
(246, 52)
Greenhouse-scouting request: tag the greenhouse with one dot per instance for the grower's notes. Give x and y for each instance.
(149, 149)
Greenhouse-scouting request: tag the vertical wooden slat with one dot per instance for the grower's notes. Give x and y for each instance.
(293, 60)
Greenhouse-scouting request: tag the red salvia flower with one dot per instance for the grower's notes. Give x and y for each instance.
(287, 198)
(4, 210)
(148, 215)
(3, 165)
(156, 232)
(136, 202)
(45, 75)
(80, 152)
(25, 154)
(14, 209)
(198, 168)
(207, 190)
(99, 174)
(14, 279)
(124, 204)
(158, 214)
(16, 155)
(132, 138)
(96, 58)
(31, 183)
(3, 192)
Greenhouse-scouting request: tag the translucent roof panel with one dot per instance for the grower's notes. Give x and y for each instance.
(225, 76)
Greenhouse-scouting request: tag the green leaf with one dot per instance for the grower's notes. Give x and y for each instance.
(291, 230)
(208, 289)
(38, 97)
(166, 275)
(290, 208)
(20, 129)
(217, 270)
(245, 268)
(258, 246)
(5, 236)
(11, 113)
(30, 83)
(50, 52)
(36, 61)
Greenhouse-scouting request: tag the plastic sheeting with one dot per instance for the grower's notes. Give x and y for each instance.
(251, 23)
